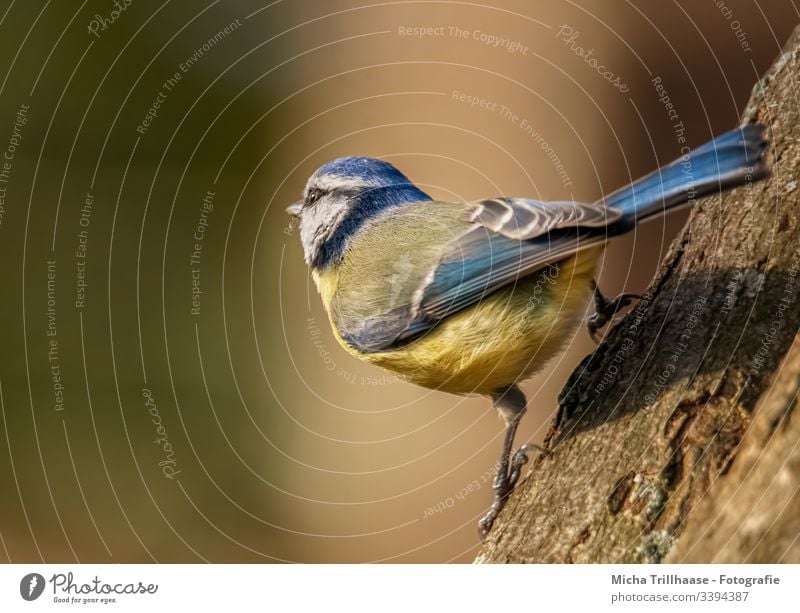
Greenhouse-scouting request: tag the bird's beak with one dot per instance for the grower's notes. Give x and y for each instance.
(295, 208)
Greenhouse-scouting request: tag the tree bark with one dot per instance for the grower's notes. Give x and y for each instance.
(678, 439)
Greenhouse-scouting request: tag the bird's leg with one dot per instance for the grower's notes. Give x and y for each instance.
(511, 404)
(605, 310)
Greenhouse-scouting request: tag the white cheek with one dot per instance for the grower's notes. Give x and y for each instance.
(319, 222)
(307, 230)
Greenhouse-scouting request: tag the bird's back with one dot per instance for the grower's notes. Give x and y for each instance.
(387, 262)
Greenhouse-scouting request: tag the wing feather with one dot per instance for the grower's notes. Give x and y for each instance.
(521, 218)
(495, 244)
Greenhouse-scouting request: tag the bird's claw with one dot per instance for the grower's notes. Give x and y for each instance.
(605, 310)
(505, 480)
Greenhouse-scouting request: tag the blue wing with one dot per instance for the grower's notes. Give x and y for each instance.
(497, 243)
(481, 262)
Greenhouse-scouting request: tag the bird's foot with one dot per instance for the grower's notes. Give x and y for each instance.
(505, 480)
(605, 310)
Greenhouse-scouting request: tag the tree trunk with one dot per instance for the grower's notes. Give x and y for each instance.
(678, 439)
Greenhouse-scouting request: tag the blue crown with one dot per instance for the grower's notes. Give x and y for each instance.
(373, 170)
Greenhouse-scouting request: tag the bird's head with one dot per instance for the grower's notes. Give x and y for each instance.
(340, 197)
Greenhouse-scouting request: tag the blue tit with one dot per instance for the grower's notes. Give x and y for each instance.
(472, 298)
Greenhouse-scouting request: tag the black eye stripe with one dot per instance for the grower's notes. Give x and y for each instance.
(313, 195)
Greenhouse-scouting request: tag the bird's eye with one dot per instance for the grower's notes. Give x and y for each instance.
(313, 195)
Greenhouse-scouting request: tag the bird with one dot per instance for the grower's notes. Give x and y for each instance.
(474, 297)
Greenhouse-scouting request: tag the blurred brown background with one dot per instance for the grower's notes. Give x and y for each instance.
(274, 444)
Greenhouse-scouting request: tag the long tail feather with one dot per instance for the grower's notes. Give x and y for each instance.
(729, 160)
